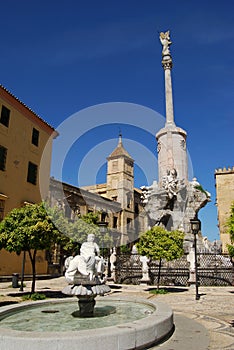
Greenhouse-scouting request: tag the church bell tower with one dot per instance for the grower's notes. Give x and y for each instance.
(120, 176)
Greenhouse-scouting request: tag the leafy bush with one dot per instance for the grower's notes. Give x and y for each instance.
(34, 296)
(158, 291)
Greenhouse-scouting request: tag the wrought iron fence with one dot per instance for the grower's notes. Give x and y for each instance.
(174, 272)
(213, 270)
(128, 269)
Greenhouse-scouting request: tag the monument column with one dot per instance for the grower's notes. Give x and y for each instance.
(172, 153)
(167, 65)
(173, 200)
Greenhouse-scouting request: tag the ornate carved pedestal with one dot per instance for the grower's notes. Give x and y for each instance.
(86, 293)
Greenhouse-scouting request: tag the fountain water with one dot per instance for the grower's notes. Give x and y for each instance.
(148, 323)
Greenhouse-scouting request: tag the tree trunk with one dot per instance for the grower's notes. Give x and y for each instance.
(159, 272)
(33, 263)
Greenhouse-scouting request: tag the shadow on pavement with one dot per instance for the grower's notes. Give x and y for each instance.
(47, 293)
(169, 289)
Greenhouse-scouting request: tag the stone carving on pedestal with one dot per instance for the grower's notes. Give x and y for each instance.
(170, 183)
(159, 147)
(175, 212)
(183, 144)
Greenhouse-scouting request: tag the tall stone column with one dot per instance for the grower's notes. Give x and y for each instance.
(167, 65)
(172, 152)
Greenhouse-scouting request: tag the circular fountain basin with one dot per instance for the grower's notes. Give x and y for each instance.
(118, 323)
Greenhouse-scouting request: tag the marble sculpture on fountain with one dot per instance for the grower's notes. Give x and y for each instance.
(84, 275)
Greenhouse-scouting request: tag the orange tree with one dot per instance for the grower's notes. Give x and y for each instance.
(158, 244)
(230, 230)
(29, 228)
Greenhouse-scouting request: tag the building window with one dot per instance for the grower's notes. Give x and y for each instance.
(115, 222)
(128, 168)
(103, 216)
(136, 209)
(35, 137)
(3, 155)
(2, 206)
(5, 116)
(129, 222)
(32, 173)
(115, 165)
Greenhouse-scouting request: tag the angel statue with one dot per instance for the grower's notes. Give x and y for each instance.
(166, 42)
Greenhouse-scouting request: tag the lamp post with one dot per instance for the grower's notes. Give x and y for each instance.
(195, 226)
(103, 229)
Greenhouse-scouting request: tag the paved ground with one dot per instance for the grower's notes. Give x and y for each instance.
(202, 324)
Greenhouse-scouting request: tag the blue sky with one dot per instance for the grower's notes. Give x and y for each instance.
(61, 57)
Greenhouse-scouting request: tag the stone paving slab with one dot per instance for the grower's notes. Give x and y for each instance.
(188, 334)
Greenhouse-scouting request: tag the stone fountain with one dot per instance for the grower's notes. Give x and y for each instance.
(116, 323)
(84, 274)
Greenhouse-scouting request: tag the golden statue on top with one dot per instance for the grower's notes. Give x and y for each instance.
(166, 42)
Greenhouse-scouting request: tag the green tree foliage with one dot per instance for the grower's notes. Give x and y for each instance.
(88, 224)
(230, 230)
(38, 227)
(29, 228)
(158, 244)
(76, 232)
(91, 218)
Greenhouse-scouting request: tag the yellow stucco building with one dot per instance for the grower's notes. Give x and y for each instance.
(24, 177)
(224, 179)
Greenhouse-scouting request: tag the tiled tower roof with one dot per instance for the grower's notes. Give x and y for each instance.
(120, 151)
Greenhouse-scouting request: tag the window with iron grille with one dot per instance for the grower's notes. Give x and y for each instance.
(35, 137)
(3, 155)
(5, 116)
(32, 173)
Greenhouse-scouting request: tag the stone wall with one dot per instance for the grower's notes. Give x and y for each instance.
(224, 179)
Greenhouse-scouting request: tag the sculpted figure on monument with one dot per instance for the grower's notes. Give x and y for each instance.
(166, 42)
(170, 183)
(88, 263)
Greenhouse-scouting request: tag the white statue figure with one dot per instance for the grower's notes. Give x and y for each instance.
(68, 260)
(170, 183)
(88, 263)
(146, 192)
(144, 260)
(166, 42)
(113, 259)
(191, 258)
